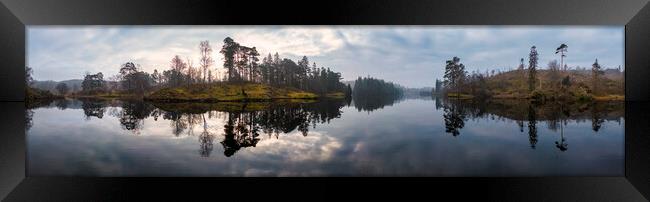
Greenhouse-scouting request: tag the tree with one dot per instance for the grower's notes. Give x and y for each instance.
(554, 72)
(596, 73)
(562, 49)
(157, 77)
(28, 76)
(206, 58)
(175, 74)
(242, 64)
(438, 88)
(62, 88)
(348, 91)
(454, 74)
(126, 69)
(209, 76)
(253, 66)
(532, 69)
(93, 83)
(229, 50)
(303, 65)
(191, 72)
(371, 93)
(521, 68)
(277, 74)
(133, 80)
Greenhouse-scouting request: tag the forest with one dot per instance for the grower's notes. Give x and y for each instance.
(245, 78)
(370, 93)
(557, 82)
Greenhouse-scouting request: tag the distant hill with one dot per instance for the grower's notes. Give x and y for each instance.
(73, 84)
(417, 92)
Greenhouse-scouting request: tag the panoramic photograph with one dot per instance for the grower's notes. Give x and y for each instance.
(302, 101)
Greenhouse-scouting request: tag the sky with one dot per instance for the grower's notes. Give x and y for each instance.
(413, 56)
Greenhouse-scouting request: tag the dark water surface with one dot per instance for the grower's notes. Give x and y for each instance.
(410, 137)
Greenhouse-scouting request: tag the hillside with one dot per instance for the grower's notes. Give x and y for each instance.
(514, 84)
(227, 92)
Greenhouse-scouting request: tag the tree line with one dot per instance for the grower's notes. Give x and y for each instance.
(241, 64)
(557, 81)
(370, 93)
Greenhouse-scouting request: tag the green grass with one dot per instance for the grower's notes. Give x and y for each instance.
(221, 92)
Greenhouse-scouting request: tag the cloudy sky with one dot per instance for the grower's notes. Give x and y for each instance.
(413, 56)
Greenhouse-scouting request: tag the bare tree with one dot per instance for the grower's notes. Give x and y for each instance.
(191, 72)
(206, 58)
(177, 68)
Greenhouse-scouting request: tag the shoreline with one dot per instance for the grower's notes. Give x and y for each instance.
(598, 99)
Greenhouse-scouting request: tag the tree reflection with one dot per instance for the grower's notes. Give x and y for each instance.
(29, 110)
(554, 114)
(238, 133)
(61, 104)
(29, 115)
(133, 113)
(364, 103)
(562, 145)
(454, 119)
(532, 126)
(438, 102)
(94, 108)
(205, 140)
(246, 122)
(596, 117)
(243, 128)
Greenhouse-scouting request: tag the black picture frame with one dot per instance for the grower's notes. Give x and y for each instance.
(16, 14)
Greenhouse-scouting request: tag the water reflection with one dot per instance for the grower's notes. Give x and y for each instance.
(94, 108)
(325, 138)
(372, 103)
(532, 126)
(556, 115)
(245, 122)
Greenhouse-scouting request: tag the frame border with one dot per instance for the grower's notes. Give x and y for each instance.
(15, 15)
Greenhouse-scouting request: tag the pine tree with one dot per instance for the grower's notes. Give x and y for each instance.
(596, 72)
(532, 69)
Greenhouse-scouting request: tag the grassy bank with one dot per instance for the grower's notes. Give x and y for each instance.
(222, 92)
(106, 95)
(460, 96)
(338, 95)
(33, 94)
(570, 85)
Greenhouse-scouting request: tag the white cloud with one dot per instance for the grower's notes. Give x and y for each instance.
(410, 55)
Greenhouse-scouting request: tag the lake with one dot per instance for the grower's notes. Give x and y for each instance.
(405, 137)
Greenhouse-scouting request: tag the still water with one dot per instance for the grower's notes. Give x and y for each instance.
(407, 137)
